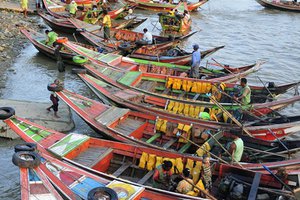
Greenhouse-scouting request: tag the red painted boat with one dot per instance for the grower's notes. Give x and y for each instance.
(64, 25)
(174, 55)
(157, 106)
(161, 7)
(58, 10)
(38, 41)
(35, 185)
(93, 34)
(102, 157)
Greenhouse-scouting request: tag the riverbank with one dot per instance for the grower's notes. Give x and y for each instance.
(11, 40)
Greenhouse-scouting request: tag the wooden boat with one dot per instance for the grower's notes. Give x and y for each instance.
(163, 107)
(35, 185)
(58, 10)
(161, 7)
(280, 5)
(119, 62)
(62, 24)
(176, 23)
(174, 55)
(129, 164)
(93, 34)
(38, 40)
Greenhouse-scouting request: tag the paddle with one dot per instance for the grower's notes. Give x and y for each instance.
(224, 149)
(277, 178)
(273, 96)
(195, 186)
(197, 145)
(279, 141)
(228, 114)
(222, 66)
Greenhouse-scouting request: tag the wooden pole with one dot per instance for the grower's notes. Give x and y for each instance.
(222, 66)
(230, 115)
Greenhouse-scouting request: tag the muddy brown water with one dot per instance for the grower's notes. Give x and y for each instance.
(248, 31)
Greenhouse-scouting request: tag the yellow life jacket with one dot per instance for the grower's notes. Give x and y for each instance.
(143, 160)
(151, 162)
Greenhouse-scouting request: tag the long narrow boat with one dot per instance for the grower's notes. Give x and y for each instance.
(124, 35)
(98, 61)
(176, 24)
(38, 40)
(165, 108)
(35, 185)
(129, 162)
(93, 184)
(64, 25)
(167, 55)
(162, 7)
(58, 10)
(280, 5)
(171, 87)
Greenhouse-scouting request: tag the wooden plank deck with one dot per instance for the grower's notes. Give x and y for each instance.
(128, 126)
(111, 115)
(92, 155)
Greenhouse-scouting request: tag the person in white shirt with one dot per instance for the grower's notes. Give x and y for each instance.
(147, 36)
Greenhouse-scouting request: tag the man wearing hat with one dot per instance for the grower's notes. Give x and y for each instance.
(196, 59)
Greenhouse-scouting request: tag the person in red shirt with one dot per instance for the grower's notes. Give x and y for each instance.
(162, 175)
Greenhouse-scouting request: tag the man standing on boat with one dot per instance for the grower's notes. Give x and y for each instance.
(106, 24)
(236, 149)
(73, 8)
(196, 59)
(162, 175)
(245, 93)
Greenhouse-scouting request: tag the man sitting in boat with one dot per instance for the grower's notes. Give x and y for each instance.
(51, 38)
(205, 114)
(147, 38)
(245, 93)
(162, 175)
(185, 185)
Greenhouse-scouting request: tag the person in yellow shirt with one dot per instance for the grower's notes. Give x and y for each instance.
(73, 8)
(24, 6)
(185, 185)
(106, 24)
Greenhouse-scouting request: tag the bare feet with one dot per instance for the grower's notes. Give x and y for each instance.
(48, 109)
(56, 116)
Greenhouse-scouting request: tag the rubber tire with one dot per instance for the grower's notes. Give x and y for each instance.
(18, 161)
(79, 71)
(54, 88)
(9, 111)
(60, 66)
(113, 195)
(79, 59)
(25, 147)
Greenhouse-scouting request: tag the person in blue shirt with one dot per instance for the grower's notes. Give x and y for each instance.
(196, 59)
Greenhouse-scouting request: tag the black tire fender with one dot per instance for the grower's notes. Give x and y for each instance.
(26, 147)
(97, 192)
(6, 112)
(26, 159)
(54, 88)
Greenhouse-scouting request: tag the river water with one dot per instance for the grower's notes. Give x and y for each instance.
(248, 31)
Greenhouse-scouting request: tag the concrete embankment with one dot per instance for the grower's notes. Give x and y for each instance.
(36, 112)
